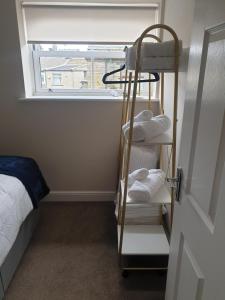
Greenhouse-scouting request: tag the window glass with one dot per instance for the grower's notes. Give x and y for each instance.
(56, 79)
(72, 68)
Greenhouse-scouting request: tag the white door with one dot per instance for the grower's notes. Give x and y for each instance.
(197, 256)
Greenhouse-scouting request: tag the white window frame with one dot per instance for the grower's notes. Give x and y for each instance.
(40, 91)
(26, 46)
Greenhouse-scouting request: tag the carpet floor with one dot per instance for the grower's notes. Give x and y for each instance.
(73, 256)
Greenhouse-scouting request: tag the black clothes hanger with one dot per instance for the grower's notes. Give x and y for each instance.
(105, 81)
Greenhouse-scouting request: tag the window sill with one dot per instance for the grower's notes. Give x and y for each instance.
(79, 99)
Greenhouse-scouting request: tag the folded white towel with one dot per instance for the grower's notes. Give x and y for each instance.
(143, 157)
(139, 174)
(158, 64)
(154, 56)
(143, 116)
(145, 131)
(144, 190)
(164, 49)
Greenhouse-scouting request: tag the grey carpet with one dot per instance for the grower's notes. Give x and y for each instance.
(73, 255)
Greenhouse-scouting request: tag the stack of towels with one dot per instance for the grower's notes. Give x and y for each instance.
(146, 127)
(143, 184)
(155, 57)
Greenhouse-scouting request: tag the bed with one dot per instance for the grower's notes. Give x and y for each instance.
(22, 186)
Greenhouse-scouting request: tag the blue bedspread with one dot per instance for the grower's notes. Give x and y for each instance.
(28, 172)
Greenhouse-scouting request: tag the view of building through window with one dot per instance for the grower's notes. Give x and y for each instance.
(77, 73)
(72, 68)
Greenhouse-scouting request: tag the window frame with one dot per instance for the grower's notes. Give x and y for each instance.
(26, 45)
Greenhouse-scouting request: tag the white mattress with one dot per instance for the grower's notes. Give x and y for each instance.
(15, 205)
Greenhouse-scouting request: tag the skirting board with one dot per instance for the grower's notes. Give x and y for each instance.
(83, 196)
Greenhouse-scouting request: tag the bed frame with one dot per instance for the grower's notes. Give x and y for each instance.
(10, 264)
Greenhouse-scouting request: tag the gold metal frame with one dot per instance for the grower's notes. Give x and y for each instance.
(126, 108)
(128, 111)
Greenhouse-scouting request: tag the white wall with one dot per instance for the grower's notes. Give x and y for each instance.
(75, 143)
(179, 15)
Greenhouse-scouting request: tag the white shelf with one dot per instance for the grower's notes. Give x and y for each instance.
(144, 240)
(81, 4)
(163, 139)
(163, 196)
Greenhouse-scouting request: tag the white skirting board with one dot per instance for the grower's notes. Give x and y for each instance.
(83, 196)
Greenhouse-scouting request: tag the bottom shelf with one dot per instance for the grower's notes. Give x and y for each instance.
(145, 247)
(144, 240)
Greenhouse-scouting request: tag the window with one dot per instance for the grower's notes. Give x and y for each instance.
(56, 79)
(43, 79)
(77, 69)
(73, 45)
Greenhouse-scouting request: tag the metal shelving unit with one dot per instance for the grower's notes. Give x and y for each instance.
(144, 247)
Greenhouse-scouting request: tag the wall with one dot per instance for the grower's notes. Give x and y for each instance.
(74, 142)
(179, 15)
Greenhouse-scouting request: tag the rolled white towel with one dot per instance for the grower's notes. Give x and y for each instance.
(143, 116)
(139, 174)
(138, 132)
(144, 190)
(163, 121)
(145, 131)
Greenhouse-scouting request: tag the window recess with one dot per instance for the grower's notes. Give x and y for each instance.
(76, 69)
(72, 44)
